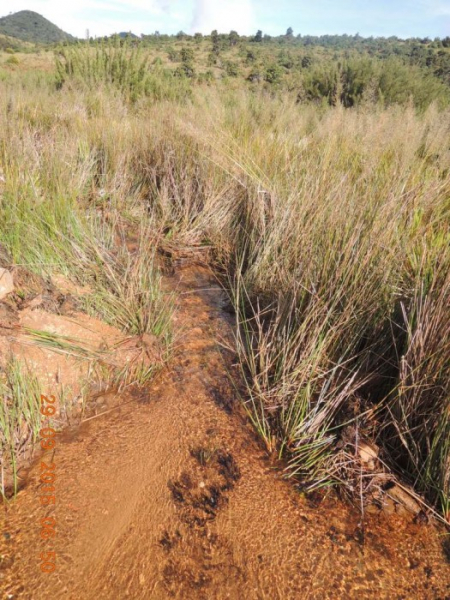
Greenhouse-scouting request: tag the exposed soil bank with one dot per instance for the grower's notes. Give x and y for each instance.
(171, 496)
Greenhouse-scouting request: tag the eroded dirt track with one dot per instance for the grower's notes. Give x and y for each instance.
(171, 496)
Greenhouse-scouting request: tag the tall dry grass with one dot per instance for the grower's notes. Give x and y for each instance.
(331, 225)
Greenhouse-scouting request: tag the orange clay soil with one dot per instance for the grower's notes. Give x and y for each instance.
(172, 496)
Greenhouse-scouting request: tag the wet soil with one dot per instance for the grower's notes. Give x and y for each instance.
(171, 495)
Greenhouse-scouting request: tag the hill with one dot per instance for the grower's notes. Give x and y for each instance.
(31, 27)
(128, 34)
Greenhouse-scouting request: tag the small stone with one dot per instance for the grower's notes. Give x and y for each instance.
(202, 484)
(6, 283)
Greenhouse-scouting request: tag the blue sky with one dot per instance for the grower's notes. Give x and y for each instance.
(368, 17)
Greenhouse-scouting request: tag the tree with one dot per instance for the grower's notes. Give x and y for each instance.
(233, 38)
(215, 41)
(259, 36)
(289, 32)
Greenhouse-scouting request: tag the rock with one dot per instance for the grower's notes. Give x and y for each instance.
(6, 283)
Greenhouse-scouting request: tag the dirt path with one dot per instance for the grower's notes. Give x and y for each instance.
(171, 496)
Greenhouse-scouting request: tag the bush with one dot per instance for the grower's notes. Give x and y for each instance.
(356, 76)
(250, 57)
(273, 73)
(399, 82)
(117, 67)
(389, 82)
(207, 77)
(173, 55)
(322, 82)
(187, 55)
(186, 70)
(232, 69)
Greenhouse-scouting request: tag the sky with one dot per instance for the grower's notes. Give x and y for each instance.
(404, 18)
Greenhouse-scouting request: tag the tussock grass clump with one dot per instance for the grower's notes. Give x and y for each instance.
(418, 418)
(68, 192)
(127, 291)
(340, 283)
(20, 417)
(69, 205)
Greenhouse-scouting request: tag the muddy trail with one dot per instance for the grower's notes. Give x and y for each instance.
(171, 495)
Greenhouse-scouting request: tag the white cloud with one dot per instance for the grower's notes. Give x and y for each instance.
(223, 15)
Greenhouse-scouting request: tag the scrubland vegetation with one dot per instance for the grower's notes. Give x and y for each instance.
(325, 194)
(330, 70)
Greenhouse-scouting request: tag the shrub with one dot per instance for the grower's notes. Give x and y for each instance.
(186, 70)
(187, 55)
(232, 69)
(118, 67)
(273, 73)
(322, 83)
(173, 55)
